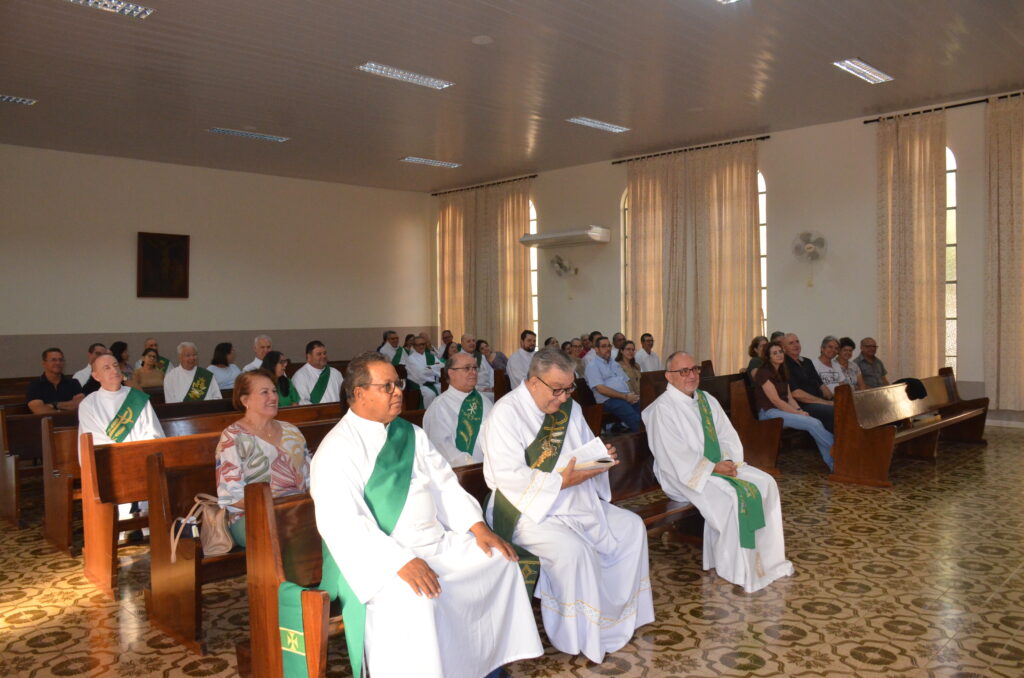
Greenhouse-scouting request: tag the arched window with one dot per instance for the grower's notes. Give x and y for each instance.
(951, 314)
(533, 272)
(762, 220)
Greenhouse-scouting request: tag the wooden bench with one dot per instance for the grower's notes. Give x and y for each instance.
(502, 384)
(593, 412)
(21, 457)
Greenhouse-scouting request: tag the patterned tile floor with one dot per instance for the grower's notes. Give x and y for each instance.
(924, 579)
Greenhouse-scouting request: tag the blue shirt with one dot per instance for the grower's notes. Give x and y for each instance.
(601, 372)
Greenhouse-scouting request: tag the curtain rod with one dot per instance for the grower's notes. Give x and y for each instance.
(493, 183)
(690, 148)
(972, 102)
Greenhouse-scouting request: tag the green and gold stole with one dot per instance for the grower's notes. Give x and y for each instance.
(751, 510)
(470, 415)
(124, 421)
(162, 363)
(320, 387)
(540, 455)
(200, 385)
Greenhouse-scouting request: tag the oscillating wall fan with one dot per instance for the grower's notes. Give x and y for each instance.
(809, 247)
(561, 266)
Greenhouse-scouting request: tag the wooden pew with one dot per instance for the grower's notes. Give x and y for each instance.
(20, 457)
(635, 487)
(502, 385)
(761, 439)
(969, 431)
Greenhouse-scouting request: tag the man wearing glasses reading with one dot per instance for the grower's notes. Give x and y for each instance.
(453, 420)
(698, 458)
(427, 589)
(593, 585)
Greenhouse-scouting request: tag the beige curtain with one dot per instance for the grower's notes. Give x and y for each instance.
(1004, 264)
(911, 243)
(483, 271)
(692, 278)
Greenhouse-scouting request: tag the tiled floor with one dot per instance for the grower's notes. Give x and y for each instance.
(924, 579)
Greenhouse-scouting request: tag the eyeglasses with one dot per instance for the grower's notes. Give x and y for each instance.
(390, 386)
(558, 392)
(869, 346)
(468, 368)
(686, 370)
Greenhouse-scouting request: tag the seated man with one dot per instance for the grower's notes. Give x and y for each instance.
(871, 366)
(95, 351)
(261, 346)
(116, 413)
(589, 346)
(453, 420)
(437, 593)
(594, 583)
(52, 391)
(646, 358)
(618, 341)
(485, 373)
(519, 362)
(698, 457)
(446, 338)
(316, 382)
(187, 381)
(389, 346)
(423, 371)
(611, 386)
(805, 384)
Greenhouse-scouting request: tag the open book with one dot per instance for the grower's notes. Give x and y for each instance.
(593, 454)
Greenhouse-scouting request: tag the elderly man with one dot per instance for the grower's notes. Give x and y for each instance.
(698, 457)
(95, 351)
(806, 385)
(453, 420)
(261, 346)
(594, 585)
(519, 362)
(52, 391)
(116, 413)
(423, 370)
(618, 341)
(389, 346)
(611, 386)
(187, 381)
(646, 358)
(485, 373)
(316, 382)
(161, 362)
(871, 366)
(409, 553)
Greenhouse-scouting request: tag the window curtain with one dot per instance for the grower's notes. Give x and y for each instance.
(483, 271)
(1004, 264)
(693, 276)
(911, 243)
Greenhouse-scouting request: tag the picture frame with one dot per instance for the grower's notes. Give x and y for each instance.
(162, 265)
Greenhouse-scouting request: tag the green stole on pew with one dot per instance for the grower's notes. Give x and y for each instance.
(162, 363)
(385, 494)
(123, 422)
(200, 385)
(471, 413)
(541, 455)
(320, 387)
(751, 510)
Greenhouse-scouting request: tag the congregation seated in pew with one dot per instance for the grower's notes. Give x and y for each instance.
(805, 384)
(276, 364)
(53, 391)
(149, 374)
(646, 358)
(758, 353)
(611, 386)
(116, 413)
(452, 421)
(423, 372)
(627, 361)
(871, 366)
(828, 368)
(485, 373)
(223, 366)
(851, 370)
(95, 350)
(186, 381)
(261, 346)
(161, 362)
(316, 382)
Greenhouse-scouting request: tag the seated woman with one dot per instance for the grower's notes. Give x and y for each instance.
(276, 364)
(119, 350)
(827, 367)
(627, 359)
(258, 449)
(223, 366)
(551, 341)
(148, 375)
(774, 401)
(496, 359)
(851, 370)
(757, 355)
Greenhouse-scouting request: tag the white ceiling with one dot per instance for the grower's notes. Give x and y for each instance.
(677, 72)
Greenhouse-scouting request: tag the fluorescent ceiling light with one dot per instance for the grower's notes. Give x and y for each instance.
(864, 71)
(727, 2)
(597, 124)
(129, 9)
(432, 163)
(8, 99)
(247, 135)
(404, 76)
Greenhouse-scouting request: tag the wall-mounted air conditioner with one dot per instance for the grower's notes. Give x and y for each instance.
(585, 236)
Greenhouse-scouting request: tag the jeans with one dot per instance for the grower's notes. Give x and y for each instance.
(822, 438)
(823, 413)
(627, 413)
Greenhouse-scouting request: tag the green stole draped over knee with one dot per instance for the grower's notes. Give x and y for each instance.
(541, 455)
(471, 413)
(320, 387)
(751, 510)
(200, 385)
(385, 494)
(124, 421)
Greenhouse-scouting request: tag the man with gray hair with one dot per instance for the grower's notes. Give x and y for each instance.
(95, 351)
(261, 346)
(453, 420)
(592, 555)
(187, 381)
(389, 345)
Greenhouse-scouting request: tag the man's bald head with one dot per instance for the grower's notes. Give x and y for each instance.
(791, 345)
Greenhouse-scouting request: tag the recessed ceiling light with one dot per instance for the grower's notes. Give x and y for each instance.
(247, 135)
(129, 9)
(404, 76)
(597, 124)
(727, 2)
(432, 163)
(24, 101)
(864, 71)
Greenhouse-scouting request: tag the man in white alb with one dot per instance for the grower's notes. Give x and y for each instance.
(485, 373)
(594, 583)
(95, 351)
(261, 346)
(646, 358)
(187, 381)
(453, 420)
(519, 362)
(698, 457)
(389, 346)
(423, 371)
(116, 413)
(316, 382)
(441, 593)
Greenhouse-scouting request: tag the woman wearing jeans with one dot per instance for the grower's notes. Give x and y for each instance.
(771, 392)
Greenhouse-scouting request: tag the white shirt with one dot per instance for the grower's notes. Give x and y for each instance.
(387, 350)
(518, 366)
(830, 376)
(418, 371)
(648, 362)
(305, 379)
(441, 420)
(178, 381)
(225, 376)
(82, 375)
(254, 365)
(98, 409)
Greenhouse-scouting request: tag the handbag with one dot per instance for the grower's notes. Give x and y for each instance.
(213, 527)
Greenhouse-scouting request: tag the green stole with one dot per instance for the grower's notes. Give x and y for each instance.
(320, 387)
(470, 415)
(124, 421)
(397, 359)
(162, 363)
(751, 510)
(200, 385)
(412, 385)
(540, 455)
(289, 398)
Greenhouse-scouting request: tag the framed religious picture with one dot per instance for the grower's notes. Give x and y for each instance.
(162, 266)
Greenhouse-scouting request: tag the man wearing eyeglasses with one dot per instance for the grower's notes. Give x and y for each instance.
(424, 371)
(698, 458)
(592, 555)
(434, 591)
(453, 420)
(871, 366)
(611, 386)
(485, 373)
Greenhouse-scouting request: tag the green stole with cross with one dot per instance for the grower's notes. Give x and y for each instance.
(751, 510)
(124, 421)
(471, 413)
(200, 385)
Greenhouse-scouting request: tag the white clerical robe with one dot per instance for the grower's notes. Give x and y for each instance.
(254, 365)
(419, 372)
(648, 362)
(518, 366)
(82, 375)
(178, 381)
(676, 437)
(98, 409)
(485, 380)
(305, 379)
(594, 583)
(481, 620)
(387, 350)
(441, 420)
